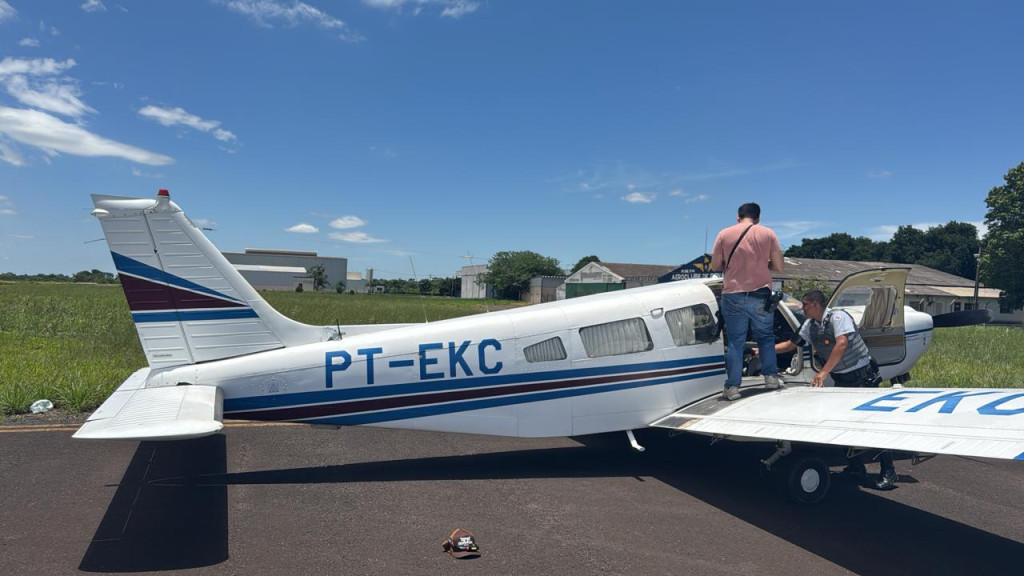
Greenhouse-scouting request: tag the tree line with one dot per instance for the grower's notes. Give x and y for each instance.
(950, 248)
(425, 287)
(92, 276)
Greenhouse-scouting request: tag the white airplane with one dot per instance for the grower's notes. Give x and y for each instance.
(620, 361)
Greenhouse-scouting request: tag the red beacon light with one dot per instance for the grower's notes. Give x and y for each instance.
(163, 192)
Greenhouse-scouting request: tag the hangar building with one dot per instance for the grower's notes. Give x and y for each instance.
(285, 269)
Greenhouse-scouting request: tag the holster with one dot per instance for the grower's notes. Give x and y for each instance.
(772, 300)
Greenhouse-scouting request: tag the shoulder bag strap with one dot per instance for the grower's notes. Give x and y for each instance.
(733, 251)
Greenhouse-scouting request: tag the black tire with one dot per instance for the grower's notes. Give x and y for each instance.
(804, 478)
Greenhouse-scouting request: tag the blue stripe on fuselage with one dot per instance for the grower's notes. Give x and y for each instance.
(449, 408)
(387, 390)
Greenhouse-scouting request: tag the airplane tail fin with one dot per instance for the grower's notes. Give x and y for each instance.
(188, 302)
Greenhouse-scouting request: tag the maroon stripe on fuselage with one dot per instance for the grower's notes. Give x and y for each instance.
(145, 295)
(338, 408)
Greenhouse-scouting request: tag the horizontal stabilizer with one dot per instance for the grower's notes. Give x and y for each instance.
(986, 423)
(134, 412)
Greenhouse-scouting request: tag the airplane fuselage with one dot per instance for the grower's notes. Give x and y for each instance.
(541, 370)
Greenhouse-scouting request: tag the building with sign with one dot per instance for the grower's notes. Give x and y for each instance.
(699, 267)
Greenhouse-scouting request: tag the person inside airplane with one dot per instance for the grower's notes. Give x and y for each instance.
(841, 352)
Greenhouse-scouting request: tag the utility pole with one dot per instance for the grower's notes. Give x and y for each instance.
(977, 270)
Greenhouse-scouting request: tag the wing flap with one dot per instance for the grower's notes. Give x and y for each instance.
(134, 412)
(966, 422)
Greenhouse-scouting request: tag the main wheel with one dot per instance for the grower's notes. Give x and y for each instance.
(804, 478)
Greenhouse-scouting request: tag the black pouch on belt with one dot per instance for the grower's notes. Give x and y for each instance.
(772, 300)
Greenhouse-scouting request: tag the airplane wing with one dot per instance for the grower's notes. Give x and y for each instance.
(134, 412)
(986, 423)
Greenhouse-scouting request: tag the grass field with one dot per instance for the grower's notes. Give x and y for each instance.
(75, 343)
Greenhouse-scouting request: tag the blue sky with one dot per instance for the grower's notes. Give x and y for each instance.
(428, 134)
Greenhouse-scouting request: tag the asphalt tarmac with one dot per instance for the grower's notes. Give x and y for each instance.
(264, 499)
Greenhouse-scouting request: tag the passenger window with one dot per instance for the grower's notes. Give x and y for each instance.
(692, 325)
(614, 338)
(546, 351)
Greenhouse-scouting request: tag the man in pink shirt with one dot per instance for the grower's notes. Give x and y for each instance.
(747, 253)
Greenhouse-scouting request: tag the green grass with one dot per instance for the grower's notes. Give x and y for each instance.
(70, 343)
(74, 343)
(972, 357)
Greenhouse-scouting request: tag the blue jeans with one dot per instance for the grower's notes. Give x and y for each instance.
(739, 310)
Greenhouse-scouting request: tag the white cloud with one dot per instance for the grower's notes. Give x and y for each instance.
(794, 228)
(450, 8)
(697, 198)
(43, 28)
(9, 154)
(879, 174)
(22, 236)
(386, 151)
(6, 11)
(459, 9)
(140, 174)
(7, 212)
(639, 198)
(347, 222)
(4, 198)
(303, 229)
(60, 96)
(882, 233)
(94, 6)
(982, 228)
(23, 79)
(357, 237)
(29, 42)
(53, 135)
(885, 232)
(179, 117)
(262, 12)
(34, 67)
(678, 192)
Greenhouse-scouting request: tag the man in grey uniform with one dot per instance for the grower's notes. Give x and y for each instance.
(838, 347)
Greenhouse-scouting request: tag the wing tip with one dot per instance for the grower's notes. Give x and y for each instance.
(179, 430)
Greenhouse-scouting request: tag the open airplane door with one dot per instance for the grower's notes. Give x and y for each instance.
(874, 298)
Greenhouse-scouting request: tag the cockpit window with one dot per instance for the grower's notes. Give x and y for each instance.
(692, 325)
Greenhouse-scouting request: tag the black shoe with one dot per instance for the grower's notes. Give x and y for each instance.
(887, 480)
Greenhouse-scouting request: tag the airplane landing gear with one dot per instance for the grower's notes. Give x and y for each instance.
(804, 478)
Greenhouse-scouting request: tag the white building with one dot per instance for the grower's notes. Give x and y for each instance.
(285, 269)
(470, 289)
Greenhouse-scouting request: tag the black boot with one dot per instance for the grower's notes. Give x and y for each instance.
(887, 480)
